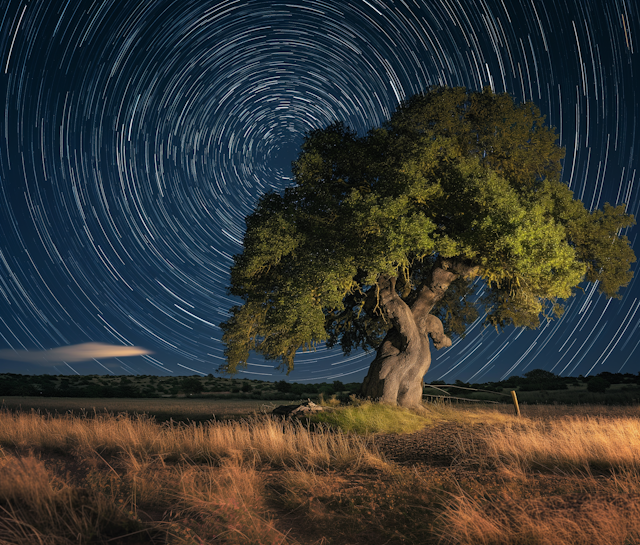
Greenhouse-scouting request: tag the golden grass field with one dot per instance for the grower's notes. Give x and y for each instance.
(557, 476)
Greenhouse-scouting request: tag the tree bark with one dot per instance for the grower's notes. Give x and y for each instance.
(397, 372)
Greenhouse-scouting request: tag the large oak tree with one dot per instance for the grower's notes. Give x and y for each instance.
(454, 204)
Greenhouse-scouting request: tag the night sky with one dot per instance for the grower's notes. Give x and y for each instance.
(137, 135)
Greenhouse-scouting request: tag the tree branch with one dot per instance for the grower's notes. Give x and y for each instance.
(436, 331)
(444, 272)
(396, 310)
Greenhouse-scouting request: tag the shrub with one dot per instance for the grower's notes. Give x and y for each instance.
(192, 385)
(283, 386)
(597, 384)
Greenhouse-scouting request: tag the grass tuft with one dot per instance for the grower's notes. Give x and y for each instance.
(510, 520)
(367, 417)
(567, 444)
(253, 442)
(37, 507)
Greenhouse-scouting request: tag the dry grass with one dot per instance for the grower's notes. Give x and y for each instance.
(120, 479)
(171, 482)
(251, 442)
(469, 414)
(595, 458)
(547, 412)
(512, 520)
(567, 444)
(37, 507)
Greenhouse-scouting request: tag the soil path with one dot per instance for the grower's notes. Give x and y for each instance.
(438, 445)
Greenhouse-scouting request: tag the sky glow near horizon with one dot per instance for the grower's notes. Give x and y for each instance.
(136, 136)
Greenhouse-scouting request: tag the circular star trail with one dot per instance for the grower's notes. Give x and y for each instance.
(136, 136)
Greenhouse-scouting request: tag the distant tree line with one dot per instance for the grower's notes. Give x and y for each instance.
(67, 386)
(539, 379)
(149, 386)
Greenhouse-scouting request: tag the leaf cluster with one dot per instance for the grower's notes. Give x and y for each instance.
(452, 174)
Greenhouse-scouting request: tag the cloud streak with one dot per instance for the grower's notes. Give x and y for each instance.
(73, 353)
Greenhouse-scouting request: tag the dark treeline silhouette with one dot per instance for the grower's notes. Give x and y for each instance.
(539, 386)
(536, 386)
(150, 386)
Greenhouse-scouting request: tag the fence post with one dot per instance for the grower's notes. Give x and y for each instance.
(515, 402)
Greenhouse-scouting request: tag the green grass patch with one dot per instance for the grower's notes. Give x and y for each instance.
(370, 417)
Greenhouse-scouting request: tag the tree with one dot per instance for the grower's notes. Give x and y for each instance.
(454, 204)
(598, 384)
(540, 375)
(283, 387)
(191, 385)
(539, 379)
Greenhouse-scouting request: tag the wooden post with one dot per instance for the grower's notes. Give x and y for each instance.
(515, 402)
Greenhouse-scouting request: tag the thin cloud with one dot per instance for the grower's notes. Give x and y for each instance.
(73, 353)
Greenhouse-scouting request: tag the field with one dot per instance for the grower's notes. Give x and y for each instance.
(151, 386)
(177, 409)
(450, 474)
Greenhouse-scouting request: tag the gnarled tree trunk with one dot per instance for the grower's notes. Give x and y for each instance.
(396, 374)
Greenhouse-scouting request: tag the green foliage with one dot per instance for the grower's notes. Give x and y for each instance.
(539, 379)
(192, 385)
(540, 375)
(597, 384)
(469, 176)
(369, 417)
(326, 390)
(283, 387)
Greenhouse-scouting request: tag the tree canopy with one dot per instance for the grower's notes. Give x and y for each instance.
(452, 177)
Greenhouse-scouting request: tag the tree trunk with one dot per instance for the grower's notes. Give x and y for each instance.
(396, 374)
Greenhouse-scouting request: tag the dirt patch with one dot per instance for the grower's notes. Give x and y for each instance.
(435, 446)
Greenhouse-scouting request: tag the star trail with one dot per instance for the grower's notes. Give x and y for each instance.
(136, 136)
